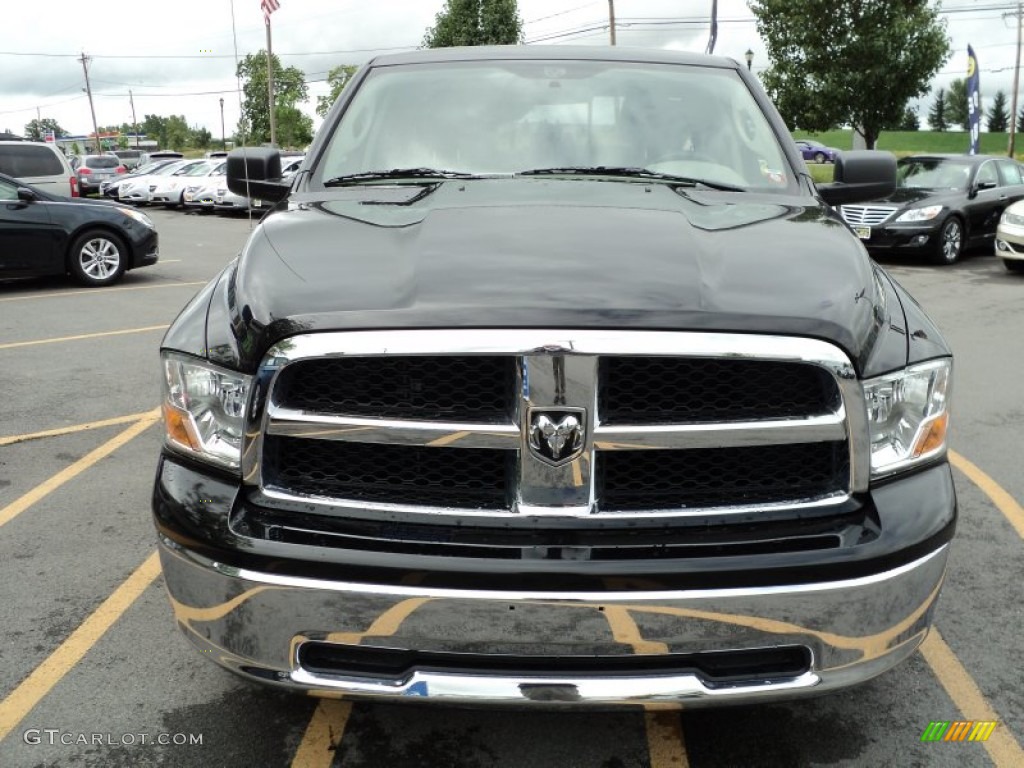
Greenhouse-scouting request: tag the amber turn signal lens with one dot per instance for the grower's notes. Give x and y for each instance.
(933, 435)
(177, 424)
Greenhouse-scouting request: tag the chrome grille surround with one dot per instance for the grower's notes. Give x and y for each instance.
(555, 369)
(867, 215)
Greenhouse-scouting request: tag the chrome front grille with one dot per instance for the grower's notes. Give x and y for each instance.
(656, 423)
(867, 215)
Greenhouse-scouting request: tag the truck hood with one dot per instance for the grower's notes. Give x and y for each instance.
(561, 253)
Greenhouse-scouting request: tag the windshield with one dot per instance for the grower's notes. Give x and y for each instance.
(507, 117)
(932, 173)
(202, 169)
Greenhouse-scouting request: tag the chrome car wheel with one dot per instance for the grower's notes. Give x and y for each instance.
(951, 241)
(98, 258)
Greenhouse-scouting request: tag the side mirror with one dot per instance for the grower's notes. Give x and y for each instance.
(27, 195)
(255, 172)
(863, 174)
(979, 186)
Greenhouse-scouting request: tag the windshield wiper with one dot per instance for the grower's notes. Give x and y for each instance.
(629, 172)
(396, 173)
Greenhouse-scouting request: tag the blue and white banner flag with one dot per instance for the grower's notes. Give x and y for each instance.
(973, 102)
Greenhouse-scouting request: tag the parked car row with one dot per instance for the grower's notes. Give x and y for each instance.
(182, 183)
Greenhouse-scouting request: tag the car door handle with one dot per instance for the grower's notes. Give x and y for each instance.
(1002, 198)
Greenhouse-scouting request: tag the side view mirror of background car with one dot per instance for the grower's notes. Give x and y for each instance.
(27, 195)
(979, 186)
(255, 172)
(862, 174)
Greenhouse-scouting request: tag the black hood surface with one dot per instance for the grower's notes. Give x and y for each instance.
(558, 253)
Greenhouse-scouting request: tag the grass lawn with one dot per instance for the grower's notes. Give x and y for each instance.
(914, 142)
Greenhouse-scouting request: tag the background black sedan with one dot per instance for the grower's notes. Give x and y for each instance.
(943, 204)
(93, 240)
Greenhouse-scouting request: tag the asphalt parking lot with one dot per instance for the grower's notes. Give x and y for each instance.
(93, 671)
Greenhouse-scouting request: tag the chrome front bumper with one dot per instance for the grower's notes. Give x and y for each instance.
(256, 625)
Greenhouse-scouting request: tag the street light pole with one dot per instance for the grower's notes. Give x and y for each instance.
(749, 56)
(1019, 18)
(223, 141)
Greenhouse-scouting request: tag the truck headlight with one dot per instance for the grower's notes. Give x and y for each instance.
(921, 214)
(204, 409)
(908, 414)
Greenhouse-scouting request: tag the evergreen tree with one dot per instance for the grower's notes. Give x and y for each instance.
(956, 103)
(937, 114)
(998, 117)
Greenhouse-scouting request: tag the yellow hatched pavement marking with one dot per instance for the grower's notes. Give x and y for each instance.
(81, 337)
(12, 439)
(323, 734)
(1002, 747)
(43, 678)
(1006, 504)
(22, 503)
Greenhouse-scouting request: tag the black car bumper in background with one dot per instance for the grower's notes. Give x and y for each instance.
(145, 244)
(335, 619)
(903, 238)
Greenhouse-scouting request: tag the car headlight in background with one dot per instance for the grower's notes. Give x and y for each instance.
(204, 409)
(921, 214)
(140, 217)
(1014, 219)
(908, 415)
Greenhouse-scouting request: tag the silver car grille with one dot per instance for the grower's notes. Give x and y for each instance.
(555, 423)
(867, 215)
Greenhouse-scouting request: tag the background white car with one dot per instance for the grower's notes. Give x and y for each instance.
(136, 189)
(203, 193)
(1010, 237)
(170, 190)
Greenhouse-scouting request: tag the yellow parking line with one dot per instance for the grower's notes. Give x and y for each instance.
(11, 439)
(323, 735)
(1002, 747)
(996, 493)
(91, 291)
(665, 745)
(19, 505)
(43, 678)
(80, 337)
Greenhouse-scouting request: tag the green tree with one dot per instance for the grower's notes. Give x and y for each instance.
(909, 121)
(122, 142)
(998, 116)
(201, 138)
(956, 103)
(475, 22)
(75, 149)
(859, 63)
(289, 89)
(294, 129)
(36, 130)
(337, 79)
(155, 127)
(937, 113)
(177, 131)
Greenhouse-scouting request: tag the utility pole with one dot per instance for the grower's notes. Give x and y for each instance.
(1016, 80)
(611, 20)
(135, 123)
(269, 83)
(95, 126)
(223, 139)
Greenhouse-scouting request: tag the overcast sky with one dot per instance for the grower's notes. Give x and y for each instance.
(178, 57)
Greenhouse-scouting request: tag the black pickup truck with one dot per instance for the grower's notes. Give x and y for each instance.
(552, 378)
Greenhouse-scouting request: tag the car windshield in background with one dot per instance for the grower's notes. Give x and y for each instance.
(202, 169)
(102, 161)
(933, 173)
(506, 117)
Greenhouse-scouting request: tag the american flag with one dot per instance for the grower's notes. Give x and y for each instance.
(268, 6)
